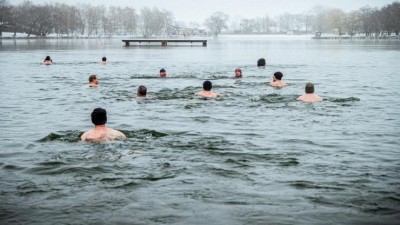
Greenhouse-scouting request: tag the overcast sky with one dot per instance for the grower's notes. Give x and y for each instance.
(199, 10)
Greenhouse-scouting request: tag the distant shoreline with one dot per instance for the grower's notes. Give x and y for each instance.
(324, 37)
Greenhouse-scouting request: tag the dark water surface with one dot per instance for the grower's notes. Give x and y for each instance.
(253, 156)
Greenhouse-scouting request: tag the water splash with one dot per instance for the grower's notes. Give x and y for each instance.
(63, 136)
(74, 136)
(341, 100)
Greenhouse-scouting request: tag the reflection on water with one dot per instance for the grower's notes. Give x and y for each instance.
(253, 155)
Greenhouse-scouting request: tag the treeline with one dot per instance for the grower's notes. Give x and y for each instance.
(364, 21)
(84, 19)
(87, 20)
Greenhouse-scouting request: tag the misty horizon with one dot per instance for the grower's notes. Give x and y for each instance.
(188, 11)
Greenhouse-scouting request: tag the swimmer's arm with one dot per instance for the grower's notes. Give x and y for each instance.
(300, 98)
(122, 135)
(118, 134)
(84, 137)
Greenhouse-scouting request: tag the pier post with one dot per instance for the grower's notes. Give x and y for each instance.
(164, 42)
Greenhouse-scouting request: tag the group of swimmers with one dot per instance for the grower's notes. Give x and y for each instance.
(101, 133)
(49, 61)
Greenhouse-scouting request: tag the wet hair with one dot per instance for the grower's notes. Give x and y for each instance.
(47, 58)
(309, 88)
(207, 85)
(238, 70)
(104, 59)
(162, 70)
(261, 62)
(142, 90)
(99, 116)
(278, 75)
(92, 77)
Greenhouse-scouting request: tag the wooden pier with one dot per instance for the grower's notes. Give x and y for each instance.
(164, 42)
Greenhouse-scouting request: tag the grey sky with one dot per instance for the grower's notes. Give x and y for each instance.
(199, 10)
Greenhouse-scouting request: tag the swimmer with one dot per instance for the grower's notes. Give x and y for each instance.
(238, 73)
(103, 61)
(277, 80)
(101, 133)
(207, 86)
(141, 91)
(47, 60)
(309, 96)
(93, 81)
(163, 73)
(261, 62)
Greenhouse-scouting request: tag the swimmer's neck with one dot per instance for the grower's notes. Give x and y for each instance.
(100, 127)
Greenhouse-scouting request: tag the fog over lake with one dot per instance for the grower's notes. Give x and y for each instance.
(198, 11)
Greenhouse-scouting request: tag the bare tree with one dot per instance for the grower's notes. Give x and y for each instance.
(320, 18)
(391, 18)
(377, 22)
(151, 20)
(299, 22)
(285, 22)
(336, 20)
(129, 20)
(217, 22)
(365, 16)
(61, 19)
(257, 24)
(169, 21)
(246, 26)
(353, 22)
(94, 17)
(25, 16)
(308, 19)
(235, 24)
(5, 15)
(145, 18)
(265, 23)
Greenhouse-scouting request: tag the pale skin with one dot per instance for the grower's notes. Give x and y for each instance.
(277, 83)
(94, 83)
(163, 74)
(238, 74)
(103, 61)
(101, 133)
(309, 97)
(208, 94)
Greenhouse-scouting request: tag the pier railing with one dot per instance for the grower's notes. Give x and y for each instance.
(164, 42)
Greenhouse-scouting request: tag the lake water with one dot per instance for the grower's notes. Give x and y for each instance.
(253, 156)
